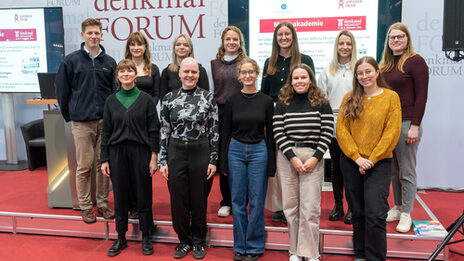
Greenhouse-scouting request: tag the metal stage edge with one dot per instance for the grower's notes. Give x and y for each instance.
(220, 235)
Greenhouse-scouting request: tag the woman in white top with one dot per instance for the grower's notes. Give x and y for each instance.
(335, 81)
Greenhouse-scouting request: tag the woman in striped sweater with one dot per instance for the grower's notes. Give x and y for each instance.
(303, 128)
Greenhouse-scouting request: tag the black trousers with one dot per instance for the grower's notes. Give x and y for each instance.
(187, 170)
(129, 171)
(336, 173)
(368, 196)
(223, 180)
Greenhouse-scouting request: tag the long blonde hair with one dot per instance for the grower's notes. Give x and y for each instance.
(333, 67)
(139, 38)
(294, 50)
(174, 65)
(241, 50)
(388, 59)
(353, 105)
(315, 95)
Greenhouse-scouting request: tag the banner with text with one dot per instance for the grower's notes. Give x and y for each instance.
(161, 21)
(317, 24)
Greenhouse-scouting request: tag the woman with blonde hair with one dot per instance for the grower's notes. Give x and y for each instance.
(406, 73)
(303, 128)
(226, 84)
(181, 49)
(285, 55)
(368, 128)
(335, 81)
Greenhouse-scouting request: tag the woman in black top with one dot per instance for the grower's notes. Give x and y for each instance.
(285, 54)
(147, 80)
(189, 142)
(170, 81)
(129, 147)
(148, 74)
(248, 158)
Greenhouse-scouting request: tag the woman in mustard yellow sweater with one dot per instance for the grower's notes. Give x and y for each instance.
(368, 128)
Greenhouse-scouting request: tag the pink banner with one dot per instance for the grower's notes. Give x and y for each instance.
(317, 24)
(11, 35)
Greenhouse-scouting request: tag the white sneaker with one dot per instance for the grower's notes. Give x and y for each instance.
(393, 214)
(224, 211)
(295, 258)
(405, 223)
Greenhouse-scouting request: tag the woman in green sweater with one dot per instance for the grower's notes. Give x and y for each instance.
(130, 143)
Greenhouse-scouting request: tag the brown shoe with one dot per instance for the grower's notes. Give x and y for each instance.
(106, 212)
(88, 216)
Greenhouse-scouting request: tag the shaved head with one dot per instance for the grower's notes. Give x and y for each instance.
(189, 60)
(189, 73)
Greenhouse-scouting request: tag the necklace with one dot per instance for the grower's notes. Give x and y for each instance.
(375, 94)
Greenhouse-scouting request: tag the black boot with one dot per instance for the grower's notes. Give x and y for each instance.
(147, 247)
(348, 217)
(337, 211)
(117, 246)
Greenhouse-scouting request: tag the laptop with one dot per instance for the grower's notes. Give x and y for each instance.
(47, 85)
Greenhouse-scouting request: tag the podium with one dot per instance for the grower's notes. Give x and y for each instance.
(61, 159)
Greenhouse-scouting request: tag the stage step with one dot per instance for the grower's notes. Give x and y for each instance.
(331, 241)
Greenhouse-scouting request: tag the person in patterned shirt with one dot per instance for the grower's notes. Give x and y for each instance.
(189, 146)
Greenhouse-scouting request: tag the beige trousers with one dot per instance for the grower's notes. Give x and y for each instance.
(87, 140)
(274, 194)
(301, 198)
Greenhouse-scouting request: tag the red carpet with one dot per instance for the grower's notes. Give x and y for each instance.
(30, 196)
(50, 248)
(26, 192)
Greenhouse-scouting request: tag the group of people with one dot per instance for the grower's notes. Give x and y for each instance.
(267, 145)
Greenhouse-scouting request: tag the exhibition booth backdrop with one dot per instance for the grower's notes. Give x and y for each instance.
(440, 160)
(439, 163)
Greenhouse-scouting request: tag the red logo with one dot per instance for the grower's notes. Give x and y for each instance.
(341, 4)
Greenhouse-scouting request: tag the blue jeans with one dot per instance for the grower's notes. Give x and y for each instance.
(248, 184)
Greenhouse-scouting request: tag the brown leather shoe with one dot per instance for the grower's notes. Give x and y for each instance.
(106, 212)
(88, 216)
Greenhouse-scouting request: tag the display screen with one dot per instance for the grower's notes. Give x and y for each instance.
(31, 41)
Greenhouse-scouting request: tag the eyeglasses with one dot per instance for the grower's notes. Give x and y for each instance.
(394, 37)
(250, 72)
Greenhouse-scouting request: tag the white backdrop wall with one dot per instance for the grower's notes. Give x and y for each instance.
(161, 21)
(440, 158)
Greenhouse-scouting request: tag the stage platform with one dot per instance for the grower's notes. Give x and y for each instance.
(23, 209)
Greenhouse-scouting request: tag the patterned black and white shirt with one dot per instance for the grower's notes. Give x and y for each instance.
(189, 115)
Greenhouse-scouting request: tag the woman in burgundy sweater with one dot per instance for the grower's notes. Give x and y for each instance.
(406, 73)
(226, 84)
